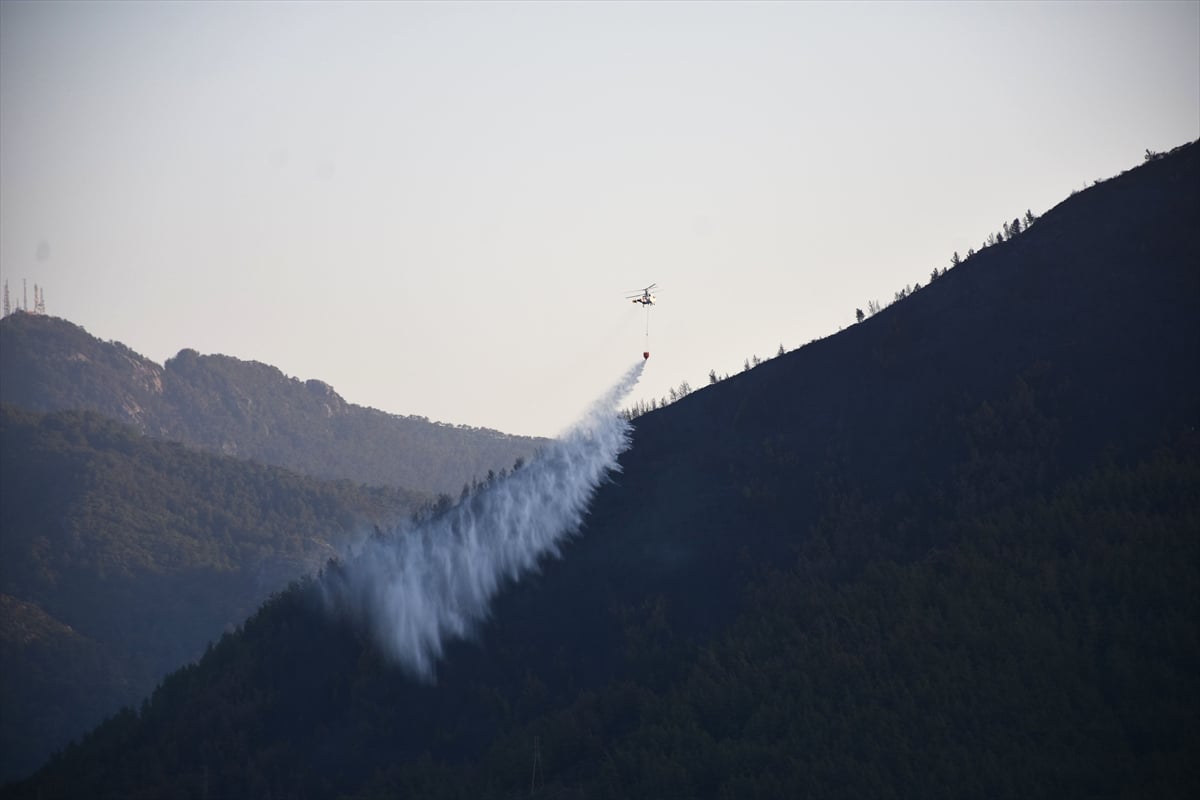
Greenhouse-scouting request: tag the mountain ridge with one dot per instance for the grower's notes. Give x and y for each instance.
(242, 408)
(954, 538)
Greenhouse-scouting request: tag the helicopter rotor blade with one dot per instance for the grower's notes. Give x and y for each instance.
(641, 293)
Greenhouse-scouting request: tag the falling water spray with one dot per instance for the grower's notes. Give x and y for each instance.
(429, 582)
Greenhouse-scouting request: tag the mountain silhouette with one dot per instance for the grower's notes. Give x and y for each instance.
(242, 408)
(948, 552)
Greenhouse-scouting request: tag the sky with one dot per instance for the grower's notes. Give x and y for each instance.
(439, 208)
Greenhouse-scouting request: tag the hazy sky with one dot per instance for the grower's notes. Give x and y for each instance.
(438, 207)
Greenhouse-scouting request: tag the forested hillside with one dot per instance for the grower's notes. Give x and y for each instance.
(1056, 634)
(242, 408)
(949, 552)
(122, 556)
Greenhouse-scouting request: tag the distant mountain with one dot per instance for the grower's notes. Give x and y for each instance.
(949, 552)
(242, 408)
(123, 556)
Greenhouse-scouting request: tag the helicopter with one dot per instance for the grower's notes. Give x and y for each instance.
(644, 297)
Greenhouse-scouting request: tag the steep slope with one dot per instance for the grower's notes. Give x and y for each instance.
(122, 556)
(949, 552)
(241, 408)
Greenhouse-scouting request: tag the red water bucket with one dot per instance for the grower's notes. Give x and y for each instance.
(646, 354)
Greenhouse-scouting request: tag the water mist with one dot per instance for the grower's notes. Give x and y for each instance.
(427, 582)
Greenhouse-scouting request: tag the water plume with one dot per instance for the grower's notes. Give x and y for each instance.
(431, 581)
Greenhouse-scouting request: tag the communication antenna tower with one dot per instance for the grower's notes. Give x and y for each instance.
(39, 300)
(7, 306)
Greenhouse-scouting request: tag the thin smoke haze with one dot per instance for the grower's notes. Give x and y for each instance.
(432, 581)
